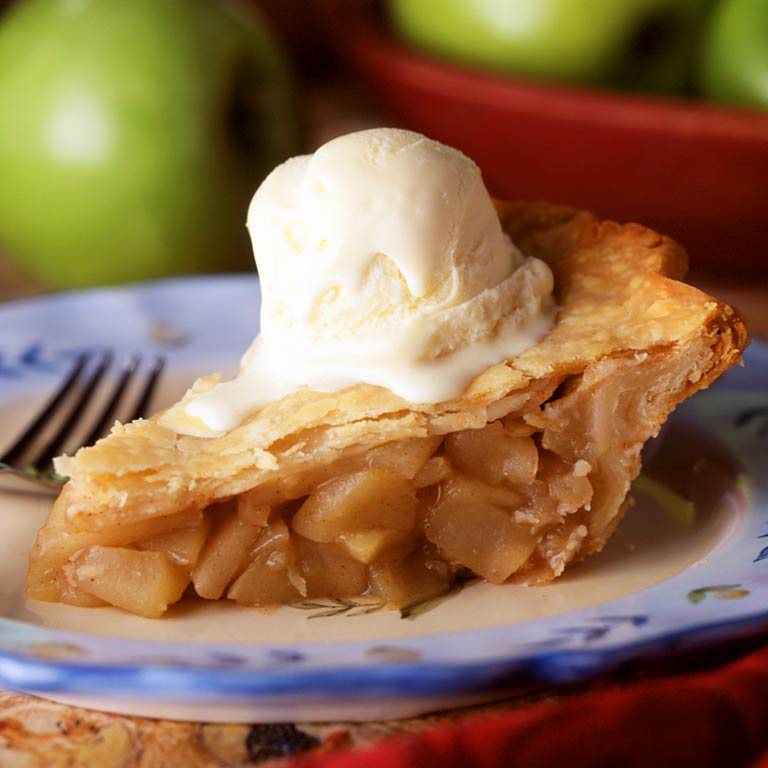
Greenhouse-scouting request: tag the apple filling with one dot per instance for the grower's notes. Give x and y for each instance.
(517, 499)
(399, 528)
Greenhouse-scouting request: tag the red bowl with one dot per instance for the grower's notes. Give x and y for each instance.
(695, 171)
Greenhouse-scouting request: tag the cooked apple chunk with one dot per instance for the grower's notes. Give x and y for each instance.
(182, 546)
(252, 509)
(225, 553)
(405, 457)
(72, 592)
(491, 454)
(327, 569)
(411, 580)
(259, 584)
(141, 582)
(270, 577)
(58, 543)
(375, 544)
(358, 501)
(437, 469)
(471, 528)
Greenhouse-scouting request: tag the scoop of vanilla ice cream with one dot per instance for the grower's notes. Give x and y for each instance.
(373, 233)
(382, 260)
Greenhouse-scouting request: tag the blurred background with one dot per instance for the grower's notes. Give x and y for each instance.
(133, 133)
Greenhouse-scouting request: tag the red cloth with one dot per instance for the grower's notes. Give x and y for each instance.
(717, 719)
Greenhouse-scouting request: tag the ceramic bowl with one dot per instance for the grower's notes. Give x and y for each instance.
(695, 171)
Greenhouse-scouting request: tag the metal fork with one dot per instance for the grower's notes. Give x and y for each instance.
(30, 458)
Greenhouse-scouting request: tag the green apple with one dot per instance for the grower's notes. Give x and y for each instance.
(734, 54)
(640, 44)
(133, 134)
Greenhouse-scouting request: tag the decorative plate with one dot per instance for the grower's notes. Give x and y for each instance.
(688, 566)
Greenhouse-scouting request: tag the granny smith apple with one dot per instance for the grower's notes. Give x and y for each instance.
(133, 134)
(734, 54)
(640, 44)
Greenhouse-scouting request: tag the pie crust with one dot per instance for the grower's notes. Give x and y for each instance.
(360, 493)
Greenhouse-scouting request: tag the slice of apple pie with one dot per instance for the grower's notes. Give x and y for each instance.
(361, 492)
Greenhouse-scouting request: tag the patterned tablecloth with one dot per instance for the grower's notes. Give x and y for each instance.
(40, 734)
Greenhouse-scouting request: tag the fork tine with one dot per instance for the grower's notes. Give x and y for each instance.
(142, 406)
(104, 422)
(25, 441)
(56, 444)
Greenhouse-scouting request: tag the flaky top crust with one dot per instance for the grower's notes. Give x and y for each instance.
(619, 291)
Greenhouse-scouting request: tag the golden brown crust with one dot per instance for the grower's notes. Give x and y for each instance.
(554, 233)
(617, 286)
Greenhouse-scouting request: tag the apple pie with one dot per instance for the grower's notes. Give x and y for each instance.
(361, 493)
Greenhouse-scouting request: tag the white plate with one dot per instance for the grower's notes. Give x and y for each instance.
(669, 580)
